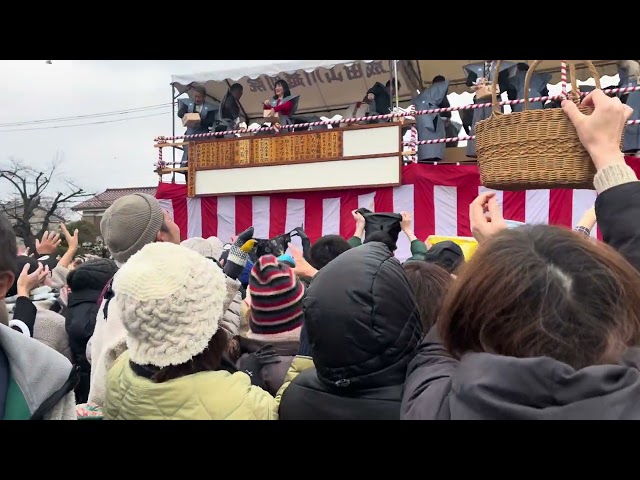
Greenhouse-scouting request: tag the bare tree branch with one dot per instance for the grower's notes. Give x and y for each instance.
(31, 210)
(11, 176)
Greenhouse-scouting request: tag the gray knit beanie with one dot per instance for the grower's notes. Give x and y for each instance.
(130, 223)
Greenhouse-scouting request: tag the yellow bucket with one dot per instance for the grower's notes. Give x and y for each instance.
(467, 244)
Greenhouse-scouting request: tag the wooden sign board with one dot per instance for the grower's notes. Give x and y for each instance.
(361, 157)
(266, 150)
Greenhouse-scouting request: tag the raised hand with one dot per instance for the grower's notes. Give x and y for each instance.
(600, 132)
(49, 243)
(486, 217)
(72, 240)
(30, 281)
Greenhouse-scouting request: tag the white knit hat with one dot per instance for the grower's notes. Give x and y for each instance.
(211, 247)
(170, 301)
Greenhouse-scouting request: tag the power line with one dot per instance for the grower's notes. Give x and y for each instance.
(90, 115)
(84, 124)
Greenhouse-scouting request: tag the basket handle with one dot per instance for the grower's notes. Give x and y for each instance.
(574, 94)
(494, 90)
(527, 82)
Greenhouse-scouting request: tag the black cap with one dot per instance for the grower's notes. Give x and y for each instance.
(386, 222)
(446, 254)
(48, 260)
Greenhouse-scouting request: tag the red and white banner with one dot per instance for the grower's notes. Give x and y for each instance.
(437, 196)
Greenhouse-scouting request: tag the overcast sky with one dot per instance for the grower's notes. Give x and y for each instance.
(99, 156)
(110, 154)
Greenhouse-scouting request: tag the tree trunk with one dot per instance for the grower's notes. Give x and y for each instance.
(27, 236)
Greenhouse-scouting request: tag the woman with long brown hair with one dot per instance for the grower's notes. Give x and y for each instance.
(430, 283)
(543, 323)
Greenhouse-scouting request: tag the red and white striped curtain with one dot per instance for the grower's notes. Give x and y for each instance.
(437, 196)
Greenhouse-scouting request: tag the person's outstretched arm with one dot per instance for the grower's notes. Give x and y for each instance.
(356, 239)
(418, 247)
(587, 222)
(24, 313)
(618, 204)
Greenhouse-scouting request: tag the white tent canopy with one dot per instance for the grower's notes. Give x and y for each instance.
(255, 71)
(323, 85)
(328, 86)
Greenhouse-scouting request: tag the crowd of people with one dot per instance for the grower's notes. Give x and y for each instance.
(540, 323)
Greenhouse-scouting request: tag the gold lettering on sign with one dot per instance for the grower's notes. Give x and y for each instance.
(203, 154)
(313, 150)
(278, 145)
(253, 152)
(216, 155)
(226, 154)
(242, 151)
(308, 147)
(289, 153)
(266, 150)
(191, 170)
(331, 145)
(193, 151)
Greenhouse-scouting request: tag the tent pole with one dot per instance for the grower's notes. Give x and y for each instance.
(390, 82)
(173, 133)
(395, 74)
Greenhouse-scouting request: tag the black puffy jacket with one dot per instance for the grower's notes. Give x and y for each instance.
(87, 283)
(363, 327)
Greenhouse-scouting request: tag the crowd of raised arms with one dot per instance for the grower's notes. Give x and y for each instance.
(541, 322)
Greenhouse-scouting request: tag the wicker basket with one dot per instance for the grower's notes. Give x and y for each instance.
(534, 149)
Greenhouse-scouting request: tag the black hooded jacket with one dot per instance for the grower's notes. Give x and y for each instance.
(86, 283)
(363, 326)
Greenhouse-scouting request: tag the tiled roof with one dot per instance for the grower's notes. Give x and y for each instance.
(104, 200)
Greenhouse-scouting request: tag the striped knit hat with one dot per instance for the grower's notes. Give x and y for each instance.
(276, 297)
